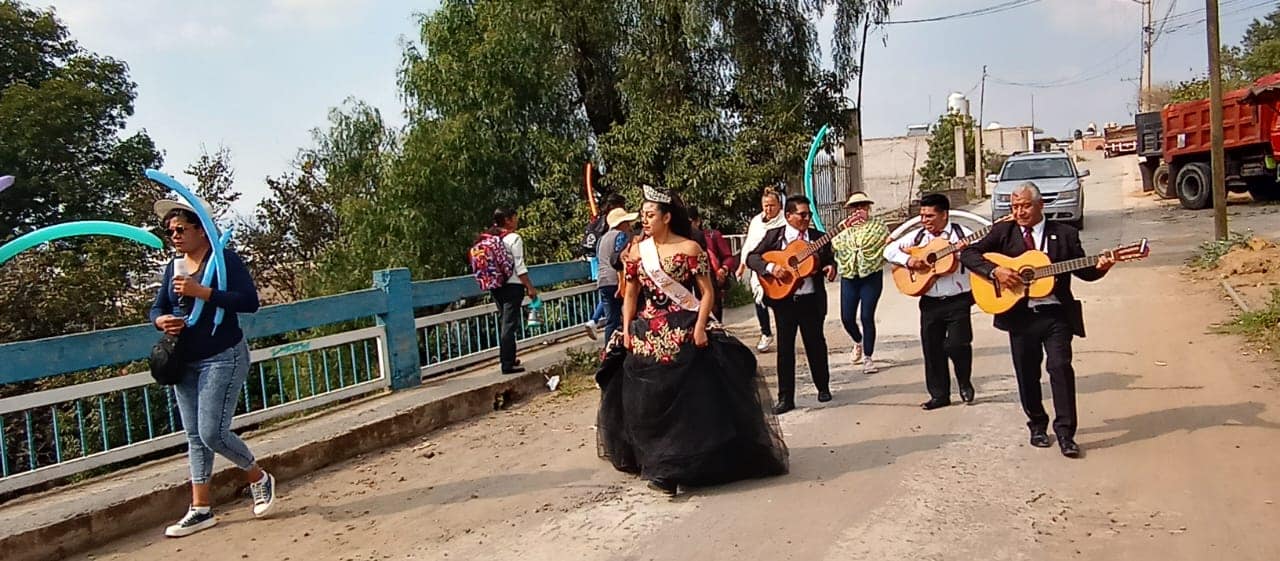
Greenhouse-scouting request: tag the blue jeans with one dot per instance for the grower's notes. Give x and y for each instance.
(598, 313)
(864, 292)
(206, 402)
(612, 310)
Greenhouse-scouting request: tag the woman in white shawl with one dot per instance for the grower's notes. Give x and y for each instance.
(769, 218)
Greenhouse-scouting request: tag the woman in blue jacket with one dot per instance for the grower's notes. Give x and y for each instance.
(217, 362)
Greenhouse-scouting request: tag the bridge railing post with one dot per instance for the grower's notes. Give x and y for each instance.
(398, 322)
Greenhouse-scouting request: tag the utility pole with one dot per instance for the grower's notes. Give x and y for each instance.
(1032, 140)
(1217, 157)
(1148, 42)
(980, 177)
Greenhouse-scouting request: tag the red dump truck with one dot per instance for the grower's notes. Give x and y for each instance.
(1174, 150)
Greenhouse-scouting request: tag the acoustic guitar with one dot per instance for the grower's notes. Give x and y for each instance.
(941, 257)
(799, 258)
(1037, 274)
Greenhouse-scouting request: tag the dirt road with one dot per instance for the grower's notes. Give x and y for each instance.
(1180, 433)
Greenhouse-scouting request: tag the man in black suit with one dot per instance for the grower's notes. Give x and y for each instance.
(805, 310)
(1039, 328)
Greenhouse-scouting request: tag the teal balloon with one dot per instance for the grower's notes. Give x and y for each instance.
(808, 174)
(208, 278)
(207, 223)
(82, 228)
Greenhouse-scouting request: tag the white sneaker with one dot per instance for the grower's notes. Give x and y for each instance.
(590, 328)
(764, 343)
(857, 352)
(193, 522)
(869, 366)
(264, 494)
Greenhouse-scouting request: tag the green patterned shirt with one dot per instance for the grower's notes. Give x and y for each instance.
(860, 249)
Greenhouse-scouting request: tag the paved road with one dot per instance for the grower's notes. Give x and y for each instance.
(1179, 432)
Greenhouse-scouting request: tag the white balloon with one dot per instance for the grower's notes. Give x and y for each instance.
(915, 220)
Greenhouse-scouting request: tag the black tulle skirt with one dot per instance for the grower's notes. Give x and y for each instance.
(698, 417)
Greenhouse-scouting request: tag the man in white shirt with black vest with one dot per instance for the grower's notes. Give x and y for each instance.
(946, 332)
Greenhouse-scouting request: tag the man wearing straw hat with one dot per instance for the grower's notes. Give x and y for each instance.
(611, 245)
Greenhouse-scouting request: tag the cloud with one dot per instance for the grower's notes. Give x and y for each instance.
(1096, 18)
(148, 25)
(313, 14)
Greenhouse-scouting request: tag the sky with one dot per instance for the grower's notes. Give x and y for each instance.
(257, 76)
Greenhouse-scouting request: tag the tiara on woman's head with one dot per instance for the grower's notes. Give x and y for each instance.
(654, 194)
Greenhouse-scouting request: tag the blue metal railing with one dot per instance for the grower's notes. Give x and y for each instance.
(455, 339)
(54, 433)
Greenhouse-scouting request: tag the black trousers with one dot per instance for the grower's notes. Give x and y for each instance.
(508, 299)
(946, 333)
(805, 314)
(1046, 336)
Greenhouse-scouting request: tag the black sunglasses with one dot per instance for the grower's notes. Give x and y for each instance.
(803, 214)
(177, 230)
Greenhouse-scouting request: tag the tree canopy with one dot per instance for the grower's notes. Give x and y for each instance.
(1257, 55)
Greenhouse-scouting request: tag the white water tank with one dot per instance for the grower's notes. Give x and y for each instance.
(957, 103)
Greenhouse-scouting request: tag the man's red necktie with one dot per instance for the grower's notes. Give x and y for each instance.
(1027, 239)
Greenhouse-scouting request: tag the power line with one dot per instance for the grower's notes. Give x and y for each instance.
(1163, 21)
(1004, 6)
(1192, 24)
(1185, 23)
(1117, 61)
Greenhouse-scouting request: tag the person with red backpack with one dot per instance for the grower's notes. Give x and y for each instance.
(497, 261)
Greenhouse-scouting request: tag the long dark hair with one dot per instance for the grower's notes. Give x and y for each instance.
(680, 223)
(500, 216)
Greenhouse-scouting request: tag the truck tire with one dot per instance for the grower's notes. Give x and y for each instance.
(1163, 183)
(1195, 186)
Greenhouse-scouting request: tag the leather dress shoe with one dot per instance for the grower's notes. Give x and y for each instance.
(1040, 439)
(513, 370)
(1069, 447)
(966, 394)
(664, 486)
(783, 406)
(824, 396)
(934, 404)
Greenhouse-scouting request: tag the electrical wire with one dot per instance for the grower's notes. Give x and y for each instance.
(995, 9)
(1116, 59)
(1184, 25)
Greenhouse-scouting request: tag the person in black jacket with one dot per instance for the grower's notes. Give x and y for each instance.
(216, 361)
(805, 310)
(1039, 328)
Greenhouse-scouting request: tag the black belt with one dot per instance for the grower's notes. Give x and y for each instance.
(951, 298)
(1046, 308)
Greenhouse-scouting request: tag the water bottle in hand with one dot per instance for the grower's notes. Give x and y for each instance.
(180, 270)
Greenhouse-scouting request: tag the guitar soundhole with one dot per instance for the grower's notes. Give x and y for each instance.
(793, 262)
(931, 258)
(1028, 274)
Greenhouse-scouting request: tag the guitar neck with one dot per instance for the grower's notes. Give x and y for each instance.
(1067, 266)
(817, 244)
(977, 235)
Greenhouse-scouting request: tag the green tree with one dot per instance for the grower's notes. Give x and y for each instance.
(215, 181)
(1257, 55)
(940, 163)
(296, 225)
(62, 110)
(507, 100)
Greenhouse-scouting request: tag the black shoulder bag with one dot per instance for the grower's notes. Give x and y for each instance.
(166, 365)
